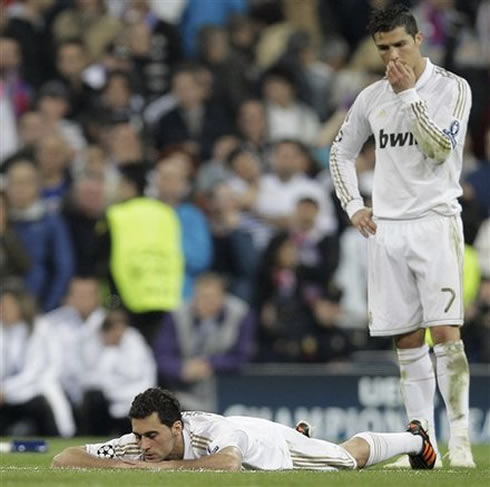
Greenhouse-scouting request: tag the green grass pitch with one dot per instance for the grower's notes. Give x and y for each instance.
(23, 469)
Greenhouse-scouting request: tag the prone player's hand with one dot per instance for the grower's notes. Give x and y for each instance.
(363, 221)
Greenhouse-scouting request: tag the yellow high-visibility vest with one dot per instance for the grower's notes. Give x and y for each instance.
(146, 254)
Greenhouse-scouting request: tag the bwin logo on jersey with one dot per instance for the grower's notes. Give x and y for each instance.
(396, 140)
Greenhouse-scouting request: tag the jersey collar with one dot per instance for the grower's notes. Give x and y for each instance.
(188, 453)
(426, 74)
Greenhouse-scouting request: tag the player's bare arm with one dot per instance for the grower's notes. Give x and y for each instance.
(77, 457)
(228, 459)
(363, 221)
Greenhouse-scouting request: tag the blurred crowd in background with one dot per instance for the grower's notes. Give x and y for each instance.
(166, 209)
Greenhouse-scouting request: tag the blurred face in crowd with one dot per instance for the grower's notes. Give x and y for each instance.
(223, 147)
(125, 143)
(287, 160)
(10, 311)
(187, 89)
(89, 195)
(53, 107)
(117, 93)
(306, 214)
(252, 120)
(117, 326)
(246, 166)
(223, 199)
(139, 39)
(287, 255)
(52, 154)
(89, 5)
(22, 185)
(216, 47)
(95, 161)
(32, 127)
(279, 91)
(208, 298)
(71, 61)
(83, 296)
(9, 55)
(171, 179)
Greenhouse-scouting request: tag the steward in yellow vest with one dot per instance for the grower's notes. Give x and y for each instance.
(144, 252)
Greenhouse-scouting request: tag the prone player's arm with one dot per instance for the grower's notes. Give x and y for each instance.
(438, 135)
(228, 459)
(78, 457)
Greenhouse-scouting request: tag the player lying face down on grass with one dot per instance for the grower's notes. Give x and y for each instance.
(164, 438)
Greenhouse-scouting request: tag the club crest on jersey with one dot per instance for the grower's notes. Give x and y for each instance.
(452, 132)
(399, 139)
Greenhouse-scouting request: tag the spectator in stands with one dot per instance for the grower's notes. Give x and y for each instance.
(32, 128)
(23, 364)
(155, 48)
(209, 335)
(173, 188)
(244, 181)
(53, 157)
(296, 294)
(16, 88)
(71, 64)
(13, 95)
(118, 100)
(44, 235)
(89, 21)
(27, 24)
(140, 239)
(68, 326)
(14, 260)
(124, 144)
(231, 83)
(235, 255)
(82, 209)
(280, 190)
(194, 121)
(117, 364)
(253, 130)
(204, 12)
(216, 170)
(286, 319)
(286, 116)
(53, 104)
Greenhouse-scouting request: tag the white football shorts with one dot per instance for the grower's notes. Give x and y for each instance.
(415, 275)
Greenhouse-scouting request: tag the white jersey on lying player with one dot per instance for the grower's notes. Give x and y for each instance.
(419, 135)
(265, 445)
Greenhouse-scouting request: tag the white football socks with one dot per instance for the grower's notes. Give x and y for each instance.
(453, 379)
(383, 446)
(418, 386)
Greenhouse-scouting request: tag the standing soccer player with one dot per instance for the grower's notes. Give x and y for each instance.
(418, 115)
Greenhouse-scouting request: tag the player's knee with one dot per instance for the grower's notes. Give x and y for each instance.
(443, 334)
(358, 448)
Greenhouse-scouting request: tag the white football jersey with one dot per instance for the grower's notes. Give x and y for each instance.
(419, 135)
(265, 445)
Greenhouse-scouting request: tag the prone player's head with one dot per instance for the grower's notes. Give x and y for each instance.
(156, 421)
(396, 35)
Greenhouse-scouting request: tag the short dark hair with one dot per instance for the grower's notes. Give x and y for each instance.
(156, 400)
(391, 17)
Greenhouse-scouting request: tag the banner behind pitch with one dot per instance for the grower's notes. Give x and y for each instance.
(338, 403)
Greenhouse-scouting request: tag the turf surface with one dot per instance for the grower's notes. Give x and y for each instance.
(24, 469)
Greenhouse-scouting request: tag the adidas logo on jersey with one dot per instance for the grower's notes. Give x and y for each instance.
(396, 140)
